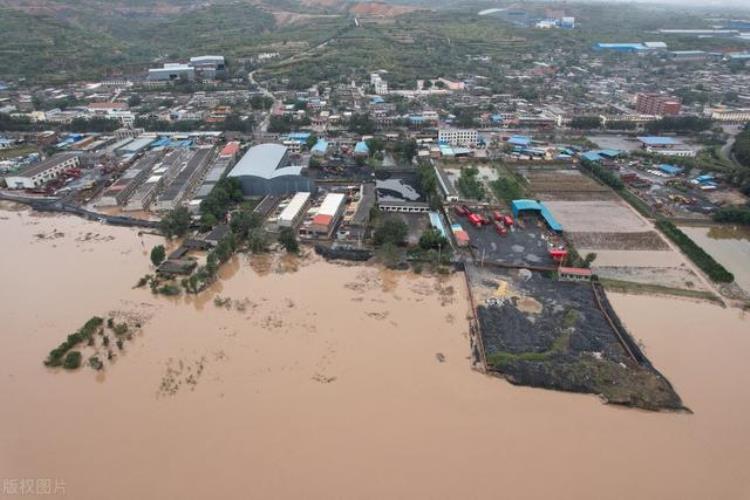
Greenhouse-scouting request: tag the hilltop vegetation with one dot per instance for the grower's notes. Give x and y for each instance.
(57, 40)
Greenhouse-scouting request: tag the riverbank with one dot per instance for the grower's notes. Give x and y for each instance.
(326, 378)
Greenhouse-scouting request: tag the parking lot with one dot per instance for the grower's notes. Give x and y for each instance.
(528, 246)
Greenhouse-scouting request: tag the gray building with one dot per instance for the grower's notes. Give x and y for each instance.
(265, 169)
(172, 71)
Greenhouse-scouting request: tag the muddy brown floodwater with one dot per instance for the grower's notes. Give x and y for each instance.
(323, 381)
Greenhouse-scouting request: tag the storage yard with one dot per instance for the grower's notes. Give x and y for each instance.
(542, 332)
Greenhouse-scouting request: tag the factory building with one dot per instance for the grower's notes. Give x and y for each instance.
(293, 213)
(185, 181)
(171, 72)
(327, 216)
(209, 67)
(657, 104)
(119, 192)
(667, 146)
(265, 169)
(39, 173)
(458, 136)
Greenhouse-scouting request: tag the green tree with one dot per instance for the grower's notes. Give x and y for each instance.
(175, 223)
(134, 100)
(158, 254)
(72, 360)
(390, 230)
(432, 239)
(288, 240)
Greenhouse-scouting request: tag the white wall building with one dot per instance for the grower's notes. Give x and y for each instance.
(457, 136)
(294, 211)
(39, 173)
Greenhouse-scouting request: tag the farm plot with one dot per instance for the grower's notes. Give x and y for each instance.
(567, 185)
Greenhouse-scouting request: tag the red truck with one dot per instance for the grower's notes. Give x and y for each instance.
(508, 220)
(500, 228)
(476, 220)
(459, 210)
(497, 216)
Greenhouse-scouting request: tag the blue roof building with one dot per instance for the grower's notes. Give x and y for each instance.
(320, 147)
(298, 136)
(670, 169)
(591, 156)
(600, 154)
(361, 148)
(654, 140)
(446, 150)
(437, 223)
(519, 140)
(621, 47)
(536, 206)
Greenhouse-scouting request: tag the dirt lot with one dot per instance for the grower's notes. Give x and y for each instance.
(597, 217)
(647, 240)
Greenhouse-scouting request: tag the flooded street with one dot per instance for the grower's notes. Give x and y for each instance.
(317, 381)
(729, 245)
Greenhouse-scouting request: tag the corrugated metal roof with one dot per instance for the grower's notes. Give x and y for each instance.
(263, 161)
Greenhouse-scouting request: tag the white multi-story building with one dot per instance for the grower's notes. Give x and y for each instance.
(737, 115)
(380, 86)
(458, 136)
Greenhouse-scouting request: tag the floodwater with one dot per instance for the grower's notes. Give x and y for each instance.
(326, 381)
(729, 245)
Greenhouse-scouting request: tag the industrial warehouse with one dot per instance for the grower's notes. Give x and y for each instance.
(266, 169)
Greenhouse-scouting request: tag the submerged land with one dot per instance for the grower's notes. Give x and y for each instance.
(327, 369)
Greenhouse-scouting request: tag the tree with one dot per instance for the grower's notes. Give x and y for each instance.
(257, 241)
(361, 124)
(466, 117)
(432, 239)
(243, 222)
(589, 259)
(311, 141)
(469, 185)
(586, 122)
(175, 223)
(391, 230)
(158, 254)
(375, 145)
(406, 149)
(288, 240)
(134, 100)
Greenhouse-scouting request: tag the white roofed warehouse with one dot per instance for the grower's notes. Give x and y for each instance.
(265, 169)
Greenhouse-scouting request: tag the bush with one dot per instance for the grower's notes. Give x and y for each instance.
(158, 254)
(72, 360)
(704, 261)
(95, 363)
